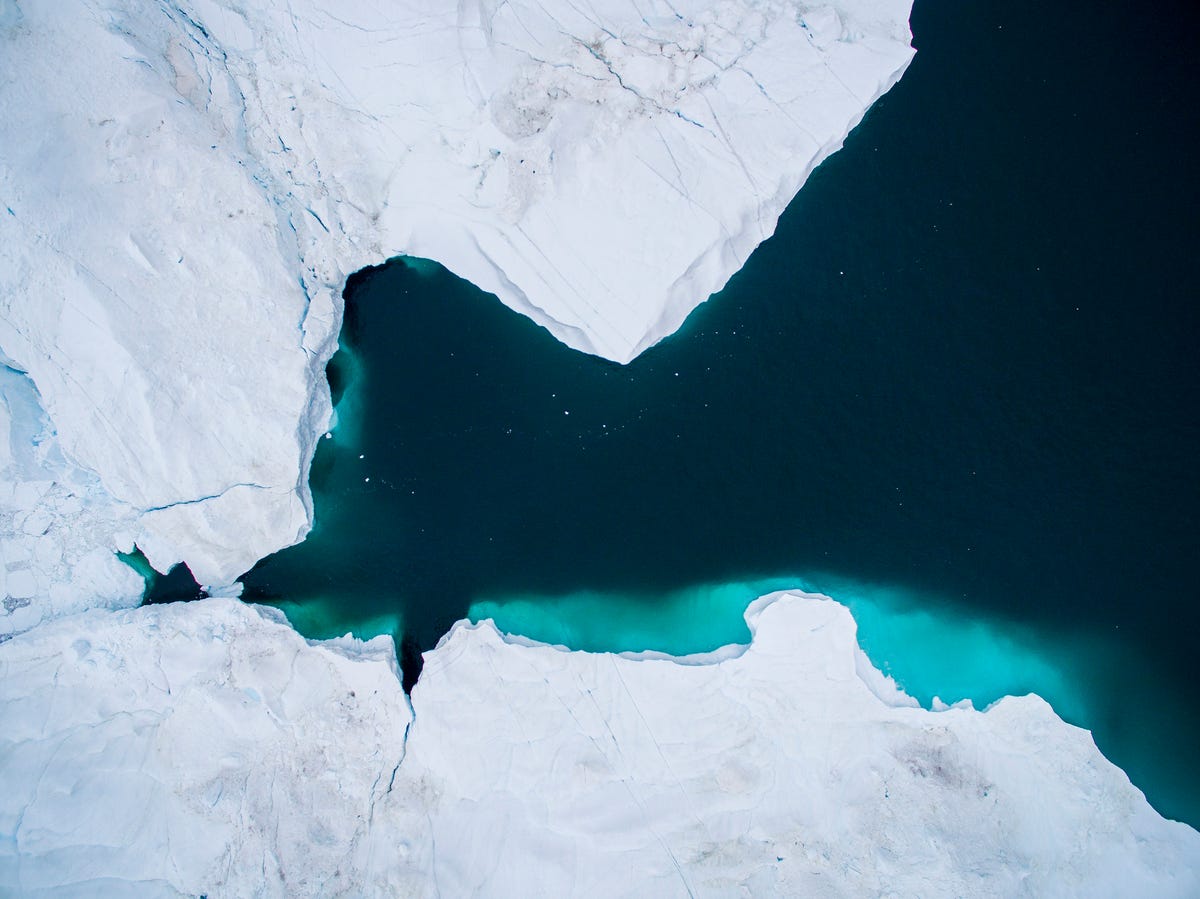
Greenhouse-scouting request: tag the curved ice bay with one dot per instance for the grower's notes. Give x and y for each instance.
(186, 186)
(581, 503)
(966, 374)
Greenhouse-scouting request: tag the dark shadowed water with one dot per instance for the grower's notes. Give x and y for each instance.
(959, 385)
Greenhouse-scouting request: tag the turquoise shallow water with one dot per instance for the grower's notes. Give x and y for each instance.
(955, 391)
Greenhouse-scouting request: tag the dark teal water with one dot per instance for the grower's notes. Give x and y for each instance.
(957, 390)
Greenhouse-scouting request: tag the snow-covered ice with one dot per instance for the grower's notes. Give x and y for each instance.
(191, 749)
(56, 523)
(187, 184)
(206, 748)
(184, 187)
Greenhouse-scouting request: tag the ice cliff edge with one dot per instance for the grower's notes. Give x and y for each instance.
(183, 188)
(187, 184)
(227, 756)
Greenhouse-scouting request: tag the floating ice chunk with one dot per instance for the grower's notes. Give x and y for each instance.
(185, 193)
(216, 737)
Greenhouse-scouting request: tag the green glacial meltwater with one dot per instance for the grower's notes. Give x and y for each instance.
(955, 391)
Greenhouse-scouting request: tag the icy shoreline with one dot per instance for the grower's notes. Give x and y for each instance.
(225, 755)
(188, 186)
(185, 188)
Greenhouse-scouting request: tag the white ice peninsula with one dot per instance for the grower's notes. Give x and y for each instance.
(184, 187)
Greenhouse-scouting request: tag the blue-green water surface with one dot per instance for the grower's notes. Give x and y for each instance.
(956, 391)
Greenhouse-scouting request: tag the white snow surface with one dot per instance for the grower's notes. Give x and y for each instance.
(55, 523)
(205, 748)
(186, 184)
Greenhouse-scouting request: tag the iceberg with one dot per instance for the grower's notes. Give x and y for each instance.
(227, 756)
(186, 187)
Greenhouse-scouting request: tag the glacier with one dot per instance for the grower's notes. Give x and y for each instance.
(57, 523)
(228, 756)
(185, 187)
(184, 200)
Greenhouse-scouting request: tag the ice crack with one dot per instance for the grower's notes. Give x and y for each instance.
(202, 499)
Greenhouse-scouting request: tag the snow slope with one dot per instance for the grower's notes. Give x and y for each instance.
(206, 748)
(187, 184)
